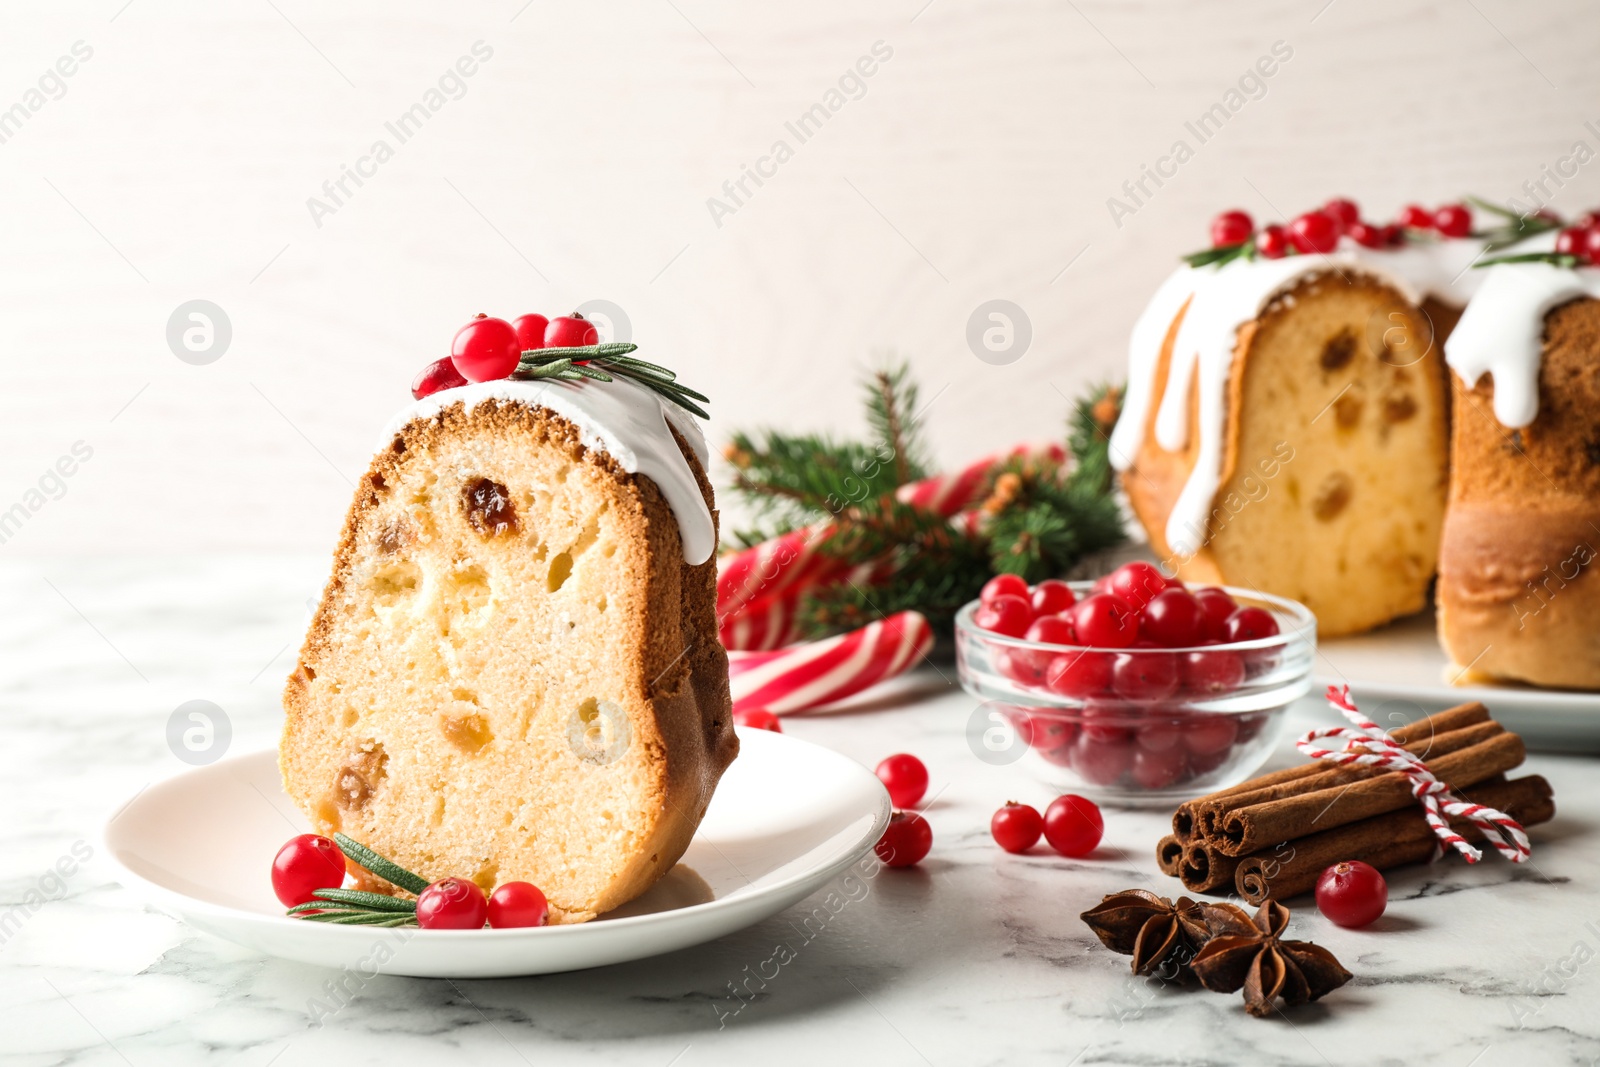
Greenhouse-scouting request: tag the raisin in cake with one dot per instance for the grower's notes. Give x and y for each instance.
(514, 671)
(1518, 594)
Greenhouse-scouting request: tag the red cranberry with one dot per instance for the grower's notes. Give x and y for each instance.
(1144, 676)
(1343, 212)
(1101, 722)
(1249, 624)
(905, 777)
(1273, 241)
(757, 719)
(1352, 893)
(1101, 762)
(1105, 620)
(905, 841)
(1210, 673)
(1453, 220)
(530, 330)
(452, 904)
(1016, 827)
(1159, 735)
(1206, 734)
(1573, 241)
(1173, 619)
(570, 331)
(1215, 607)
(1049, 630)
(1159, 769)
(1004, 585)
(518, 904)
(1079, 675)
(1367, 236)
(1591, 245)
(1415, 217)
(1059, 756)
(486, 350)
(1394, 235)
(304, 865)
(1049, 731)
(1203, 763)
(1005, 614)
(1231, 228)
(1051, 597)
(1314, 232)
(1073, 825)
(440, 374)
(1138, 582)
(1020, 665)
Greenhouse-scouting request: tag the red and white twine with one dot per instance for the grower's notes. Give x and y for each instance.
(1367, 745)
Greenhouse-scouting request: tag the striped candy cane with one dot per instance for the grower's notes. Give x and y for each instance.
(1367, 745)
(815, 673)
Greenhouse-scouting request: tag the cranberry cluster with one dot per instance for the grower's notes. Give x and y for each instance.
(1582, 239)
(1320, 230)
(487, 349)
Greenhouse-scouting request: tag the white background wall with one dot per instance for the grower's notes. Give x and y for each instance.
(578, 164)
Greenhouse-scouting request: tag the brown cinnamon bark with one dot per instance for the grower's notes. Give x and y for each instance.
(1251, 829)
(1384, 841)
(1205, 868)
(1415, 736)
(1169, 855)
(1429, 746)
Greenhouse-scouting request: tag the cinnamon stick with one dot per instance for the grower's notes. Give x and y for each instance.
(1384, 841)
(1206, 868)
(1169, 855)
(1258, 826)
(1185, 821)
(1328, 776)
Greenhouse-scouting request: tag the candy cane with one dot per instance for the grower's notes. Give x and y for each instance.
(815, 673)
(1368, 745)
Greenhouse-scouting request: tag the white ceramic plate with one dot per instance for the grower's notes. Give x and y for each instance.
(788, 818)
(1403, 664)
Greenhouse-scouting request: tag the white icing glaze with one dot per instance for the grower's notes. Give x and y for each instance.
(625, 420)
(1502, 332)
(1223, 299)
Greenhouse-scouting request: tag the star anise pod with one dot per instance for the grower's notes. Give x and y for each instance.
(1162, 937)
(1250, 953)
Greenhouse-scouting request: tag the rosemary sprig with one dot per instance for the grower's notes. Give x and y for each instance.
(384, 868)
(357, 907)
(1216, 257)
(1555, 259)
(593, 362)
(1516, 228)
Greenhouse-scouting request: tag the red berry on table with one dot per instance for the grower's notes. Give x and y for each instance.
(530, 330)
(1343, 212)
(1453, 220)
(452, 904)
(1158, 769)
(1211, 672)
(1079, 675)
(1005, 614)
(1016, 827)
(905, 777)
(757, 719)
(1314, 232)
(1205, 735)
(1073, 826)
(1051, 597)
(1173, 619)
(1105, 620)
(1571, 241)
(570, 331)
(1215, 607)
(1367, 235)
(1004, 585)
(1231, 228)
(905, 841)
(518, 904)
(1138, 582)
(1144, 675)
(1415, 217)
(440, 374)
(1352, 893)
(1249, 624)
(304, 865)
(486, 350)
(1273, 241)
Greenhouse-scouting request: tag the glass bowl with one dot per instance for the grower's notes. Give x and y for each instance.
(1210, 728)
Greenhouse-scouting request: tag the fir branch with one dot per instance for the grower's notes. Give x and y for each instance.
(892, 413)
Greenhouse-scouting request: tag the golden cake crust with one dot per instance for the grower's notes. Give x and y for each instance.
(673, 682)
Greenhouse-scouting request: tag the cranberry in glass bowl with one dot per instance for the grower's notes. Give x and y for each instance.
(1183, 696)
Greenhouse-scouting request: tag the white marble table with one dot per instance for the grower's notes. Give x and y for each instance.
(976, 957)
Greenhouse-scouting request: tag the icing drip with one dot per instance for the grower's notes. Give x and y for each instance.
(1502, 332)
(626, 421)
(1220, 301)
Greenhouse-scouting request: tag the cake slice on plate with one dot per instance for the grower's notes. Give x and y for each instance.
(514, 672)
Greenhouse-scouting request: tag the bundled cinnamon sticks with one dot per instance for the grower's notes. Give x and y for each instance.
(1274, 835)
